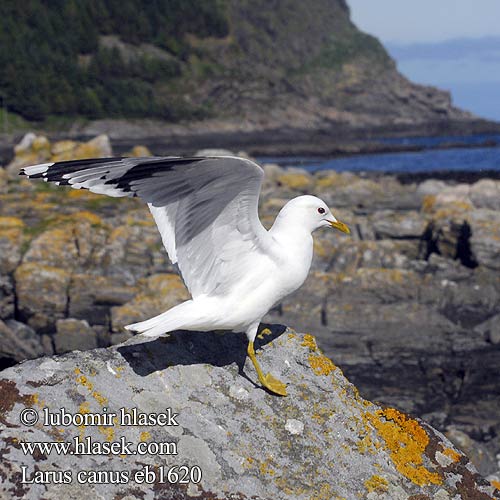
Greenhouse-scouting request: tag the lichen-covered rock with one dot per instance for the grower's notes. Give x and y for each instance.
(35, 149)
(11, 243)
(138, 151)
(74, 335)
(158, 293)
(42, 294)
(236, 440)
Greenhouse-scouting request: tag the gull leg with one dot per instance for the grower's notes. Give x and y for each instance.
(268, 381)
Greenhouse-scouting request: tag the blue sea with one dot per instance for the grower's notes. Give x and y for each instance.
(474, 156)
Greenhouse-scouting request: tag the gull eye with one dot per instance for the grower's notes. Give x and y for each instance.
(321, 210)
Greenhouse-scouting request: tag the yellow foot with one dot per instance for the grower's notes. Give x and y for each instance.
(264, 331)
(274, 385)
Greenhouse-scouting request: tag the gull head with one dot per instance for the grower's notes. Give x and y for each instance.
(311, 213)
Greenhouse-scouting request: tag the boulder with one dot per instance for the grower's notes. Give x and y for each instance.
(485, 237)
(486, 194)
(138, 151)
(35, 149)
(398, 225)
(157, 294)
(205, 429)
(42, 294)
(74, 334)
(11, 243)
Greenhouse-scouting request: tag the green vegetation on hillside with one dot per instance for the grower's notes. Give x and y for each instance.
(53, 64)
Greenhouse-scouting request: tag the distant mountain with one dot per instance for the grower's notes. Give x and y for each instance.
(255, 63)
(469, 68)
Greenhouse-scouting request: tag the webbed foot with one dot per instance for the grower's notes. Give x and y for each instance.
(268, 381)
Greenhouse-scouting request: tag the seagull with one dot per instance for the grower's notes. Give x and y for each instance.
(206, 210)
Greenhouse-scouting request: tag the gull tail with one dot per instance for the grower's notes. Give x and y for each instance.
(174, 319)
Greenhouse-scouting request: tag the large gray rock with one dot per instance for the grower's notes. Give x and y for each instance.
(322, 441)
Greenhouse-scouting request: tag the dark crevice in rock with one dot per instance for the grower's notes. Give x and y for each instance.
(428, 242)
(7, 362)
(464, 252)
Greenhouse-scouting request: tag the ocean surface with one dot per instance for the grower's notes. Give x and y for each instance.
(471, 156)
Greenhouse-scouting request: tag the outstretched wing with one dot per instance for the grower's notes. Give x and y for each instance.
(206, 208)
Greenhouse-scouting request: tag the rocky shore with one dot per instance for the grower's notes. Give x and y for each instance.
(214, 433)
(408, 306)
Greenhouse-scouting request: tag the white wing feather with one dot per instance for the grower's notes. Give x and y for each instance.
(206, 209)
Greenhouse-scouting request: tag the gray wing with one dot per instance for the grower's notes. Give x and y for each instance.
(206, 208)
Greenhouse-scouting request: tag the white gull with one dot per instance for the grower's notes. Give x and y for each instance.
(206, 209)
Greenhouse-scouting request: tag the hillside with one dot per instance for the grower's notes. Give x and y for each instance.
(244, 64)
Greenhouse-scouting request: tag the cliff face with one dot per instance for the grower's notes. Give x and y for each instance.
(240, 65)
(306, 65)
(187, 421)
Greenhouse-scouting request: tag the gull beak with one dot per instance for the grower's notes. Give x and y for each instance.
(340, 226)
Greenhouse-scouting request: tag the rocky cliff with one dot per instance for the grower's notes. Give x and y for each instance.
(220, 67)
(186, 420)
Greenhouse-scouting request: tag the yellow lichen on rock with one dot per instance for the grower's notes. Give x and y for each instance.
(377, 483)
(295, 181)
(406, 441)
(452, 454)
(138, 151)
(310, 341)
(321, 365)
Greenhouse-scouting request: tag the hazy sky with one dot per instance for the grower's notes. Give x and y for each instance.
(469, 66)
(426, 20)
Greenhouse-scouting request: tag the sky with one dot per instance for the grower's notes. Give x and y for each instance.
(452, 44)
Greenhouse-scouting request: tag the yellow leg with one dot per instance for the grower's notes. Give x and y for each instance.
(268, 381)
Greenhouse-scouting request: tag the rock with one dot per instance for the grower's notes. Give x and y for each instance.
(490, 329)
(138, 151)
(322, 441)
(7, 306)
(74, 334)
(35, 149)
(399, 225)
(31, 150)
(4, 178)
(17, 343)
(485, 237)
(158, 293)
(479, 455)
(28, 337)
(486, 194)
(11, 243)
(297, 182)
(42, 294)
(430, 187)
(98, 147)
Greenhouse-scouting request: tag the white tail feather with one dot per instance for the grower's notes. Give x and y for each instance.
(173, 319)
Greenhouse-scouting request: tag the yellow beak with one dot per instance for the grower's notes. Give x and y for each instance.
(340, 226)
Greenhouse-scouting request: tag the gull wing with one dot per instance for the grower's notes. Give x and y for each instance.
(206, 208)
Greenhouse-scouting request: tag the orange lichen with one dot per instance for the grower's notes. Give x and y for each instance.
(310, 341)
(452, 454)
(406, 441)
(495, 484)
(145, 436)
(377, 484)
(265, 469)
(321, 365)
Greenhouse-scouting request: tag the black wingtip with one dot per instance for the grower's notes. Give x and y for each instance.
(22, 172)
